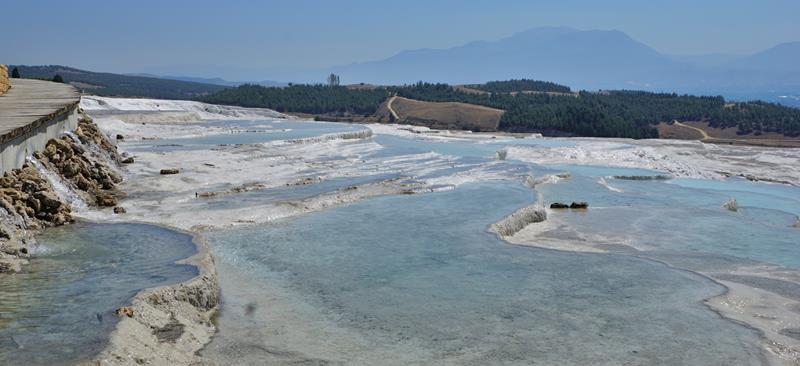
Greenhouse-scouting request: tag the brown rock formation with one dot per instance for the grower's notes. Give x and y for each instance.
(5, 83)
(28, 200)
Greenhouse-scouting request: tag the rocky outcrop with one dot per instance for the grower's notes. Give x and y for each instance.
(88, 164)
(731, 205)
(574, 205)
(356, 135)
(37, 195)
(515, 222)
(5, 83)
(169, 171)
(579, 205)
(28, 203)
(501, 154)
(167, 325)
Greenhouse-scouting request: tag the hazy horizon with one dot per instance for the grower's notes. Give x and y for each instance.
(245, 41)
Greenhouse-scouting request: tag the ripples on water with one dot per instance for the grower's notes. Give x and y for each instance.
(417, 279)
(60, 309)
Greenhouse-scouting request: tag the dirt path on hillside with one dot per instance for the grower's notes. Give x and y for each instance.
(700, 130)
(389, 107)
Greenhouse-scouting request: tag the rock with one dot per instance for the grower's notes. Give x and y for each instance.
(120, 137)
(124, 311)
(82, 183)
(35, 204)
(11, 265)
(106, 183)
(579, 205)
(70, 169)
(30, 186)
(169, 171)
(731, 205)
(63, 148)
(559, 205)
(128, 160)
(30, 173)
(116, 178)
(61, 218)
(5, 203)
(49, 201)
(6, 181)
(105, 199)
(50, 151)
(11, 248)
(119, 210)
(77, 149)
(518, 220)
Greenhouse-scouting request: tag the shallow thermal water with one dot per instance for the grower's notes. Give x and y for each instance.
(417, 279)
(60, 310)
(246, 132)
(685, 215)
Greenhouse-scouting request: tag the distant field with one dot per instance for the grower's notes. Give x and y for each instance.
(692, 131)
(447, 115)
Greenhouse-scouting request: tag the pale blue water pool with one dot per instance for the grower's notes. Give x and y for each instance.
(60, 310)
(250, 132)
(421, 273)
(686, 215)
(417, 279)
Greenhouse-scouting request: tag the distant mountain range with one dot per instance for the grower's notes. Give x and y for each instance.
(214, 81)
(581, 59)
(590, 59)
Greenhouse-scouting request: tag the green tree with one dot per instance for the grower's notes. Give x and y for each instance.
(333, 80)
(58, 79)
(15, 73)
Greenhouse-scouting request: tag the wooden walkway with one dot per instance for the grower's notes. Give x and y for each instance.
(29, 103)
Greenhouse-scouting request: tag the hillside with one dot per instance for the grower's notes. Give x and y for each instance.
(633, 114)
(443, 115)
(108, 84)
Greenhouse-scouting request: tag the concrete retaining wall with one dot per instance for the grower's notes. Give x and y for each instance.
(5, 83)
(32, 113)
(14, 152)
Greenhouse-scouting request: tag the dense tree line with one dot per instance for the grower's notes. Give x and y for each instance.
(616, 113)
(603, 114)
(519, 85)
(316, 99)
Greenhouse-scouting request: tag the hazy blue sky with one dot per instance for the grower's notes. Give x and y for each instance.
(251, 37)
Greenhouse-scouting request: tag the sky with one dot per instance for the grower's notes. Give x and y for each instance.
(251, 40)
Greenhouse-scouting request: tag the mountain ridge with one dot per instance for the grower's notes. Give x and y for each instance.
(585, 59)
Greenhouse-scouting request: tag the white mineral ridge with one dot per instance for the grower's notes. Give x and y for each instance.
(683, 159)
(203, 110)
